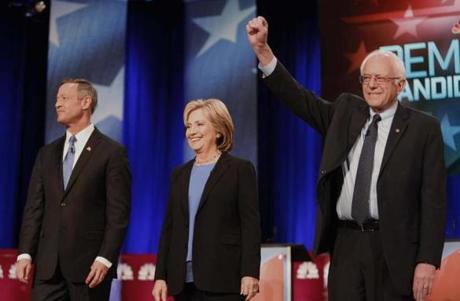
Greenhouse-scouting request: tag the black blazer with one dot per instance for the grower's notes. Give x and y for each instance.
(226, 242)
(88, 219)
(411, 186)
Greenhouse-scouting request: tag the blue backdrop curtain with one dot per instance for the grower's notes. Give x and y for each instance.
(23, 56)
(153, 131)
(289, 150)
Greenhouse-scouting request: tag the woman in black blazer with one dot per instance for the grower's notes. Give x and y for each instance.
(210, 241)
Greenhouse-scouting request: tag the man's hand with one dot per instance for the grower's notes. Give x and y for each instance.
(423, 281)
(249, 287)
(257, 31)
(160, 290)
(97, 274)
(23, 270)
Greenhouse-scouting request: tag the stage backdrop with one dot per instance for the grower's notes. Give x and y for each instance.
(153, 131)
(425, 35)
(220, 64)
(289, 149)
(87, 40)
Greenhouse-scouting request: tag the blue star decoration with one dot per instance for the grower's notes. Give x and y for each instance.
(60, 9)
(448, 132)
(223, 26)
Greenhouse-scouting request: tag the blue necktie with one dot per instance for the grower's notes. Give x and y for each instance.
(68, 160)
(361, 194)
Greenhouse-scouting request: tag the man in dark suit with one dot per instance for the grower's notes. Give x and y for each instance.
(78, 206)
(382, 184)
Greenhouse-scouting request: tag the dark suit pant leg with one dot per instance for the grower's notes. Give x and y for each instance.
(191, 293)
(59, 289)
(358, 270)
(81, 291)
(54, 289)
(50, 290)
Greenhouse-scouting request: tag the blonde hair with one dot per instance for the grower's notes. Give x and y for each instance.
(217, 113)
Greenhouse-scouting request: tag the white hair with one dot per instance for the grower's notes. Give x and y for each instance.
(398, 64)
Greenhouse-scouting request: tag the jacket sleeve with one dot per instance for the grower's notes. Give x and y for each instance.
(248, 206)
(118, 198)
(316, 111)
(33, 211)
(433, 200)
(165, 237)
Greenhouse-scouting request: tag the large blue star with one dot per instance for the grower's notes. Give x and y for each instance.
(110, 99)
(448, 132)
(223, 26)
(60, 9)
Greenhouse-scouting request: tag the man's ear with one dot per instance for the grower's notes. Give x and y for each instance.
(86, 103)
(401, 85)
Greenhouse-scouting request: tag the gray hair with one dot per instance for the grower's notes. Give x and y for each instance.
(398, 64)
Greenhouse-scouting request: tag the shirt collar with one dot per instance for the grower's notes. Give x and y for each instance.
(82, 135)
(388, 113)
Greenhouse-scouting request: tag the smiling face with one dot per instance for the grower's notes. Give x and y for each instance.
(381, 96)
(200, 133)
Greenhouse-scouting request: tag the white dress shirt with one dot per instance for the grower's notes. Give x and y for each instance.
(350, 167)
(269, 68)
(82, 138)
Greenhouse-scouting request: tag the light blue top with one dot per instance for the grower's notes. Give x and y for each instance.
(198, 179)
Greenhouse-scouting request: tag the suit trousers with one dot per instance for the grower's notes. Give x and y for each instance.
(192, 293)
(60, 289)
(358, 270)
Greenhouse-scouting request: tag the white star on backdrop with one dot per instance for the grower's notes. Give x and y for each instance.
(60, 9)
(448, 132)
(223, 26)
(407, 24)
(110, 99)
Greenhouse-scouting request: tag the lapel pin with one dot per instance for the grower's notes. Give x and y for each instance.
(88, 148)
(397, 131)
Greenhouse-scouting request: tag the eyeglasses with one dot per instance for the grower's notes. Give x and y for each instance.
(379, 80)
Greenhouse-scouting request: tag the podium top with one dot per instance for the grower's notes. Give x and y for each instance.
(298, 251)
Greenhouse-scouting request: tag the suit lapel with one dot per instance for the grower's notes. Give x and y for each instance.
(58, 157)
(216, 173)
(85, 155)
(183, 187)
(398, 127)
(358, 119)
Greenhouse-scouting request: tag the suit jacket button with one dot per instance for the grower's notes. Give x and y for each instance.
(63, 204)
(323, 172)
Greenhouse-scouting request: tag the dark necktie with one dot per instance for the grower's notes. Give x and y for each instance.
(361, 194)
(68, 161)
